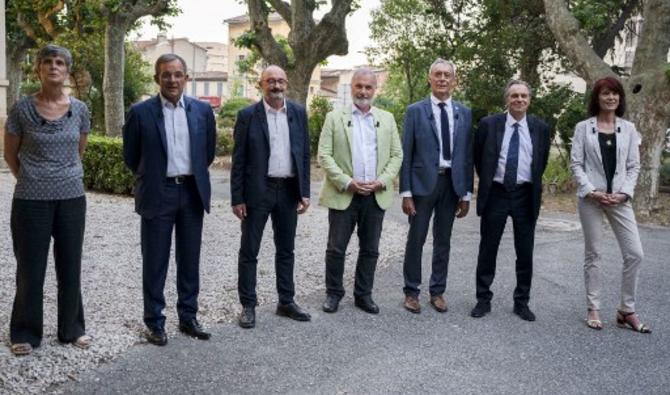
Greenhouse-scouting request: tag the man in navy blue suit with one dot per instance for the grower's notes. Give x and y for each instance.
(511, 150)
(435, 180)
(270, 178)
(168, 144)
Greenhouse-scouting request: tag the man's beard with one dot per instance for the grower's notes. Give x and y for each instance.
(276, 95)
(362, 102)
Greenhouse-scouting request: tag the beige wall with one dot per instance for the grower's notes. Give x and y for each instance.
(195, 57)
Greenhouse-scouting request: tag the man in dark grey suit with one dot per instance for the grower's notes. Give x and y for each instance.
(269, 178)
(511, 153)
(436, 177)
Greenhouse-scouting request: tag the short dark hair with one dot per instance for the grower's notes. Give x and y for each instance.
(613, 85)
(167, 58)
(512, 82)
(53, 50)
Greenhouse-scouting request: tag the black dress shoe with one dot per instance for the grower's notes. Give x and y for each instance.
(247, 318)
(481, 309)
(292, 311)
(156, 336)
(194, 329)
(366, 304)
(331, 304)
(524, 312)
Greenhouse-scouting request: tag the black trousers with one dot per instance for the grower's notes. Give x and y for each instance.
(33, 224)
(443, 203)
(501, 204)
(364, 213)
(280, 204)
(181, 211)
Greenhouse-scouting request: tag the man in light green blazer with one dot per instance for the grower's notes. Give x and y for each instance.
(360, 152)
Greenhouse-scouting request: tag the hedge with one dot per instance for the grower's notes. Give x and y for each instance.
(104, 170)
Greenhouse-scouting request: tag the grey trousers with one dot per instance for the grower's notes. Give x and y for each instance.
(624, 226)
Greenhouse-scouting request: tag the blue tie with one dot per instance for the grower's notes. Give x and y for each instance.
(444, 128)
(512, 160)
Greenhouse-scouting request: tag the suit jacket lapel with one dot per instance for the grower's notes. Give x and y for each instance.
(381, 137)
(160, 120)
(500, 131)
(192, 123)
(454, 138)
(428, 110)
(292, 126)
(594, 145)
(535, 141)
(348, 127)
(260, 112)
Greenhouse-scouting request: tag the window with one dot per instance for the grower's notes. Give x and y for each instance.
(206, 88)
(219, 89)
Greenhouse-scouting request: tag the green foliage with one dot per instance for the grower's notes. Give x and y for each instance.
(252, 62)
(557, 176)
(229, 110)
(104, 170)
(394, 107)
(318, 108)
(665, 174)
(224, 141)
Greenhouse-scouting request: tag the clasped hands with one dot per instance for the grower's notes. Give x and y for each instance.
(365, 187)
(608, 199)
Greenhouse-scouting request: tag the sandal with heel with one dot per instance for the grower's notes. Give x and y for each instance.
(631, 321)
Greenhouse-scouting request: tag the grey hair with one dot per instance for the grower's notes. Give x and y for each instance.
(51, 51)
(442, 61)
(167, 58)
(516, 82)
(364, 71)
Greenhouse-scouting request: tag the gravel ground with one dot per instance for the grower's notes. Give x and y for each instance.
(112, 289)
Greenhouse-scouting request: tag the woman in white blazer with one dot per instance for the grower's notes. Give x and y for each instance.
(605, 162)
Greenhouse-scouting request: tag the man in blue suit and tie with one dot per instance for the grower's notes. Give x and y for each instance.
(435, 180)
(269, 178)
(168, 144)
(511, 151)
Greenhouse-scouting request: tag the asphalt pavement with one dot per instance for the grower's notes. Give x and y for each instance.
(400, 352)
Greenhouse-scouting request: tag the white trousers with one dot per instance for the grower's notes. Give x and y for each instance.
(622, 220)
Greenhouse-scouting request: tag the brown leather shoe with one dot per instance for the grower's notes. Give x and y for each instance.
(412, 304)
(439, 303)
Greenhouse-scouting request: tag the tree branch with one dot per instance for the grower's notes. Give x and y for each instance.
(264, 41)
(573, 43)
(284, 9)
(44, 18)
(654, 41)
(330, 35)
(605, 41)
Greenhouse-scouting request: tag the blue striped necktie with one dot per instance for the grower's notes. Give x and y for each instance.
(509, 181)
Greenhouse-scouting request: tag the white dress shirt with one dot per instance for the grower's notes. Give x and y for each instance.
(279, 164)
(523, 172)
(364, 147)
(434, 101)
(177, 138)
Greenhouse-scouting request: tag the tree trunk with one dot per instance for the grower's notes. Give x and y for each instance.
(651, 121)
(112, 84)
(14, 75)
(299, 78)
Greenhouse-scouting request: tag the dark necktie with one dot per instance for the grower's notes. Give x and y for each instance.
(444, 127)
(512, 160)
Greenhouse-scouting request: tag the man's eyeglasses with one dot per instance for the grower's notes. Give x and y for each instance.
(280, 81)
